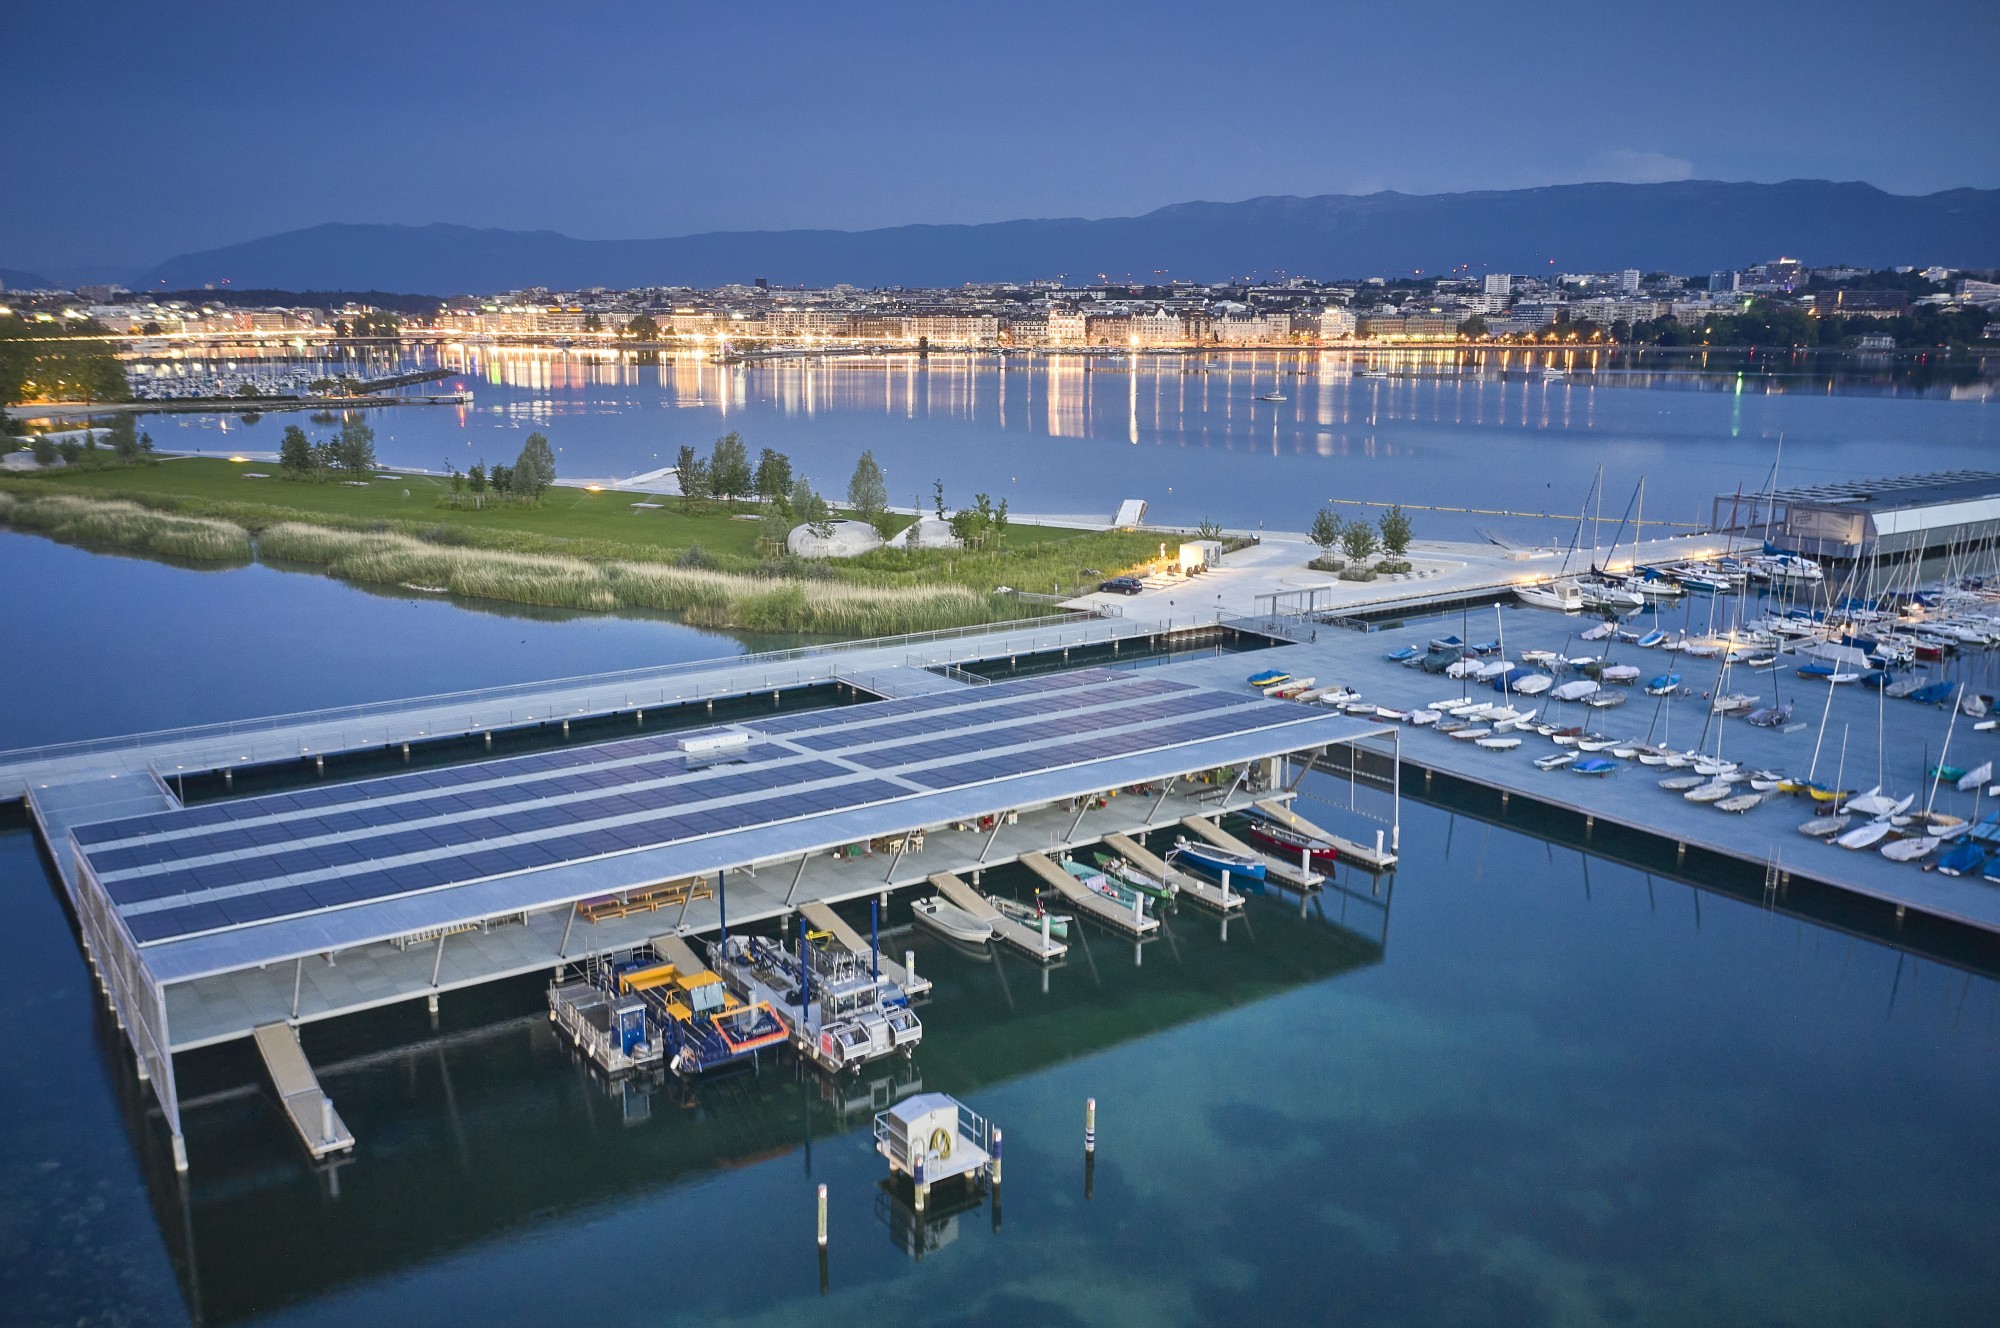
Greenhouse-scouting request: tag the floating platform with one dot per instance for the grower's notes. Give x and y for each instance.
(1376, 859)
(1287, 874)
(1206, 893)
(1020, 935)
(1089, 903)
(306, 1104)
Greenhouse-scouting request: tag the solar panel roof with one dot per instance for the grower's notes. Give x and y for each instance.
(218, 868)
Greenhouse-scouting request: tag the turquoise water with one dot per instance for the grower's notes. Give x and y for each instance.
(1078, 435)
(1513, 1085)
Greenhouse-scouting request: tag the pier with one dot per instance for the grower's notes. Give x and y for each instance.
(1292, 875)
(1005, 929)
(1185, 883)
(1133, 921)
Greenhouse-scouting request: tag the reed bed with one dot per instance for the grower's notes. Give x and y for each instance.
(700, 597)
(123, 525)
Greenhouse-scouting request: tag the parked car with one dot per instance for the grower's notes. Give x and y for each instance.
(1122, 585)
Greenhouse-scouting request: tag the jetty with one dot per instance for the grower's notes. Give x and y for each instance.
(1133, 921)
(1186, 884)
(1293, 875)
(306, 1104)
(1028, 940)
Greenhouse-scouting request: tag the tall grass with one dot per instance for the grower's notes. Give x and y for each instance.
(700, 597)
(122, 525)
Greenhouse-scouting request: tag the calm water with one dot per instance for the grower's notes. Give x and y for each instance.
(1072, 434)
(1515, 1087)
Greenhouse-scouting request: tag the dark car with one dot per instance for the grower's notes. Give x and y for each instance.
(1122, 585)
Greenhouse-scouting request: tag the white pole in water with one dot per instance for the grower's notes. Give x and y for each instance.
(325, 1119)
(822, 1217)
(1305, 864)
(1378, 845)
(996, 1155)
(918, 1178)
(909, 966)
(1045, 930)
(1090, 1125)
(1225, 885)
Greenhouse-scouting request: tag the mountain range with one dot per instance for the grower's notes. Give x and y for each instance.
(1687, 226)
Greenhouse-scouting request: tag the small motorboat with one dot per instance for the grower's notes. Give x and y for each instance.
(1472, 732)
(1962, 859)
(1533, 685)
(1576, 690)
(1593, 765)
(1666, 684)
(1273, 677)
(1554, 760)
(948, 919)
(1419, 718)
(1404, 655)
(1127, 876)
(1770, 717)
(1031, 917)
(1214, 860)
(1288, 841)
(1620, 673)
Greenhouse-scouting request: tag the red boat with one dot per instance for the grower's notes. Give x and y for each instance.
(1282, 841)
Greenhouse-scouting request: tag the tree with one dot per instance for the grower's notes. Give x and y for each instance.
(982, 525)
(1473, 328)
(151, 329)
(866, 492)
(1208, 530)
(774, 476)
(535, 468)
(123, 436)
(475, 478)
(503, 479)
(692, 473)
(643, 328)
(729, 474)
(937, 497)
(295, 452)
(592, 323)
(1357, 540)
(810, 509)
(356, 448)
(1395, 527)
(1325, 531)
(44, 449)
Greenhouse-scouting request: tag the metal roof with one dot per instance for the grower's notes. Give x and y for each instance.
(1902, 491)
(226, 885)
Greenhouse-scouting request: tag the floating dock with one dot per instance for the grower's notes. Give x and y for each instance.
(1206, 893)
(1288, 874)
(1132, 921)
(1376, 859)
(1006, 930)
(306, 1104)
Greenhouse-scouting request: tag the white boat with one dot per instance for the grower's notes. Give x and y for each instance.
(1471, 733)
(948, 919)
(1909, 850)
(1533, 686)
(1733, 703)
(1975, 777)
(1601, 632)
(1554, 760)
(1562, 596)
(1682, 783)
(1879, 804)
(1867, 835)
(1714, 791)
(1500, 743)
(1822, 827)
(1620, 673)
(1420, 718)
(1607, 595)
(1742, 802)
(1575, 690)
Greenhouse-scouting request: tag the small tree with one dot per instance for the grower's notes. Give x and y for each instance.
(503, 479)
(1473, 328)
(692, 474)
(475, 478)
(123, 436)
(44, 449)
(729, 474)
(774, 476)
(592, 323)
(535, 468)
(1357, 540)
(810, 509)
(1395, 525)
(295, 452)
(356, 448)
(937, 498)
(1326, 529)
(866, 493)
(1208, 530)
(643, 328)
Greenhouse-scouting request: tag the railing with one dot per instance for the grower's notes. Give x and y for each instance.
(733, 667)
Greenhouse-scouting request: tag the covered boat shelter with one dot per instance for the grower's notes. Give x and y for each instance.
(1902, 516)
(207, 923)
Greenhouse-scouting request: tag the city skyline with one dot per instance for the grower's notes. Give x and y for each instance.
(215, 127)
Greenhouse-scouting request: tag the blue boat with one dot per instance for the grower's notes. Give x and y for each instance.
(1403, 656)
(1593, 765)
(1215, 861)
(1962, 859)
(1770, 717)
(1447, 643)
(1651, 638)
(1935, 694)
(1815, 670)
(1268, 678)
(1663, 684)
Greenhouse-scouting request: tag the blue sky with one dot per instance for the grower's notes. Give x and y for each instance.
(134, 131)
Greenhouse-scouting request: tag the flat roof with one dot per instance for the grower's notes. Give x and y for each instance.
(226, 885)
(1902, 491)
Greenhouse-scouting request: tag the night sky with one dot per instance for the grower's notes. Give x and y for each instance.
(135, 131)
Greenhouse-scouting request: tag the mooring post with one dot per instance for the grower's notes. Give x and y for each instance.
(1090, 1125)
(325, 1119)
(996, 1155)
(1045, 931)
(822, 1217)
(1225, 886)
(909, 967)
(917, 1181)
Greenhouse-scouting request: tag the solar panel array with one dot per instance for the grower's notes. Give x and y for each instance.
(234, 864)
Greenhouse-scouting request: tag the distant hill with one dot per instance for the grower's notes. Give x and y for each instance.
(15, 279)
(1688, 226)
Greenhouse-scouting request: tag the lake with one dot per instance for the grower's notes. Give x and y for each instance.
(1191, 435)
(1509, 1085)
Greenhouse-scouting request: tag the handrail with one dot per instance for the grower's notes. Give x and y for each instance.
(504, 691)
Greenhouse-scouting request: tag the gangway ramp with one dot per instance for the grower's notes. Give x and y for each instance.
(1205, 893)
(1020, 935)
(1373, 859)
(1132, 923)
(319, 1125)
(823, 918)
(676, 951)
(1289, 874)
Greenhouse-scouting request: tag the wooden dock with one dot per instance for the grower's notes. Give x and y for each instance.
(823, 918)
(1096, 906)
(1020, 935)
(1374, 859)
(1290, 875)
(1205, 893)
(320, 1128)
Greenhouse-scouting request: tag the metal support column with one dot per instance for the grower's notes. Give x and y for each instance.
(797, 876)
(298, 980)
(437, 960)
(1081, 812)
(1160, 801)
(896, 861)
(999, 819)
(562, 951)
